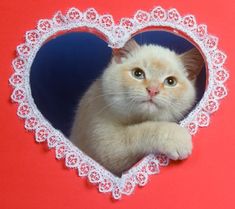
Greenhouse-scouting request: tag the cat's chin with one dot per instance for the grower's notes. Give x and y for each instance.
(149, 106)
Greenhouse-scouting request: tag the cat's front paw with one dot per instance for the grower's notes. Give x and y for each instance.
(179, 144)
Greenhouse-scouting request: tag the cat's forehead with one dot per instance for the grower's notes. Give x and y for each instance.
(157, 58)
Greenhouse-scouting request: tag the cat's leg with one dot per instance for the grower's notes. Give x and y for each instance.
(118, 148)
(163, 137)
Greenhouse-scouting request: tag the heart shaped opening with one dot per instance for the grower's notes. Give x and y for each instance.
(66, 66)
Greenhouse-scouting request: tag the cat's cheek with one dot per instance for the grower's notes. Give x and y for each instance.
(128, 79)
(164, 93)
(180, 90)
(125, 72)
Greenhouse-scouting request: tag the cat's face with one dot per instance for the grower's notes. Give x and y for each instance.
(151, 82)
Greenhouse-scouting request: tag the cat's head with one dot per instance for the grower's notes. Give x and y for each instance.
(151, 82)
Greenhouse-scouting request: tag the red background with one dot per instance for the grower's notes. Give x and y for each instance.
(30, 177)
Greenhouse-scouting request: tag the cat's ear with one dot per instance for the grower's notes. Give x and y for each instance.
(120, 54)
(193, 62)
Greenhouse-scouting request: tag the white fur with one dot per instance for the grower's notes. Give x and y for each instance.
(116, 127)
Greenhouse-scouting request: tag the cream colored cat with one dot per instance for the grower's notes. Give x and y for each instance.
(132, 109)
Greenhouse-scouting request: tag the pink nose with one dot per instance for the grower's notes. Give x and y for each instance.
(152, 91)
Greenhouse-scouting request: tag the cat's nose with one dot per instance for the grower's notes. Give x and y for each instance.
(152, 91)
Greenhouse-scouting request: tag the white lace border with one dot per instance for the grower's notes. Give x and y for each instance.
(116, 35)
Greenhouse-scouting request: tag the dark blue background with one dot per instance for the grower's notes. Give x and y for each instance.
(65, 66)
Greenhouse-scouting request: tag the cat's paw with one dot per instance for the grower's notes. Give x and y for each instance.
(179, 144)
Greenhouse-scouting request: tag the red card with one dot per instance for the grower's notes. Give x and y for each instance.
(32, 178)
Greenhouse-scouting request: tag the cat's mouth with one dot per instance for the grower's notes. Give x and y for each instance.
(149, 102)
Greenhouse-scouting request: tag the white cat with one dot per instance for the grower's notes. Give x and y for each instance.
(132, 109)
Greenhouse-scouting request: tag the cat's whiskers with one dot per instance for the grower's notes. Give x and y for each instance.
(107, 94)
(165, 101)
(105, 107)
(132, 104)
(111, 104)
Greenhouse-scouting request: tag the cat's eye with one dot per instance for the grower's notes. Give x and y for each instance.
(138, 73)
(170, 81)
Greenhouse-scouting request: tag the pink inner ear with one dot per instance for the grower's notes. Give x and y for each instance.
(129, 47)
(118, 54)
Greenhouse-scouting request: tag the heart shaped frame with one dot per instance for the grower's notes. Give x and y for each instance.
(116, 35)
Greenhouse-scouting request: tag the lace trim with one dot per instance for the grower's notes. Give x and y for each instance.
(116, 35)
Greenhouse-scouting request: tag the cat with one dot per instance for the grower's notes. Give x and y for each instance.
(133, 108)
